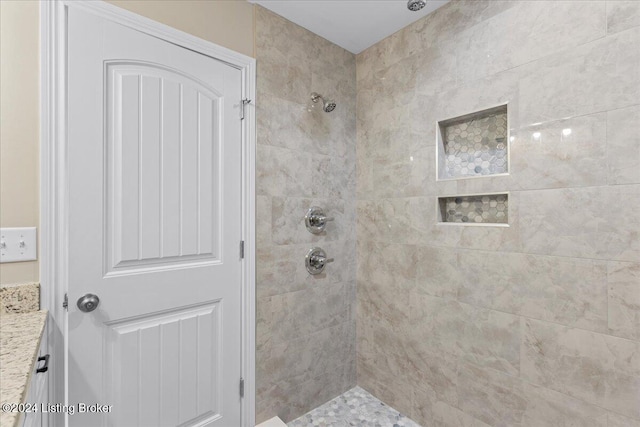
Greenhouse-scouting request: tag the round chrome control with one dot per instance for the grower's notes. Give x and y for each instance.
(316, 260)
(88, 303)
(316, 220)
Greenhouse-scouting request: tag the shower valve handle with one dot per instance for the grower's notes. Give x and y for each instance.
(320, 219)
(320, 260)
(316, 220)
(316, 260)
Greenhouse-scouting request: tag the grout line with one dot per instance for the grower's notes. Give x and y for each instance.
(528, 63)
(345, 324)
(524, 380)
(606, 18)
(525, 317)
(503, 251)
(481, 192)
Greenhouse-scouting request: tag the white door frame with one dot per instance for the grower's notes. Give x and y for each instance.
(54, 225)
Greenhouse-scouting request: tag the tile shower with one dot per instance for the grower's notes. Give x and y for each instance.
(532, 322)
(305, 157)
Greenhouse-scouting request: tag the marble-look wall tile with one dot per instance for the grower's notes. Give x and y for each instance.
(582, 222)
(427, 70)
(264, 325)
(623, 145)
(366, 220)
(564, 153)
(289, 81)
(469, 97)
(494, 398)
(394, 390)
(622, 15)
(404, 175)
(283, 172)
(445, 312)
(391, 352)
(525, 33)
(444, 415)
(303, 312)
(288, 223)
(401, 220)
(305, 358)
(430, 32)
(293, 173)
(568, 291)
(502, 400)
(378, 308)
(393, 141)
(548, 408)
(624, 299)
(327, 386)
(388, 264)
(305, 157)
(438, 271)
(293, 402)
(263, 226)
(597, 368)
(291, 125)
(617, 420)
(485, 337)
(605, 76)
(364, 178)
(280, 270)
(496, 239)
(434, 380)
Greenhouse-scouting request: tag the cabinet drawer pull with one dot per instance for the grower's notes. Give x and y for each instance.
(44, 367)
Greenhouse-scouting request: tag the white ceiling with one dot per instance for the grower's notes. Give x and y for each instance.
(352, 24)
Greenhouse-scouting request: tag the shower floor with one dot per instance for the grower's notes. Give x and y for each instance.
(355, 407)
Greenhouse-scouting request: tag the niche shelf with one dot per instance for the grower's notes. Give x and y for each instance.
(474, 145)
(481, 209)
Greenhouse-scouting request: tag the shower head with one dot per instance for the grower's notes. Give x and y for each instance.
(327, 104)
(416, 5)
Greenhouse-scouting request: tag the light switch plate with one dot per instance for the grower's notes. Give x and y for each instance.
(18, 244)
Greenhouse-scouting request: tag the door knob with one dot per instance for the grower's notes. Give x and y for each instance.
(316, 260)
(316, 220)
(88, 302)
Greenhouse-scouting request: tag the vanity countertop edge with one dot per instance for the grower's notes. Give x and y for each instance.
(20, 336)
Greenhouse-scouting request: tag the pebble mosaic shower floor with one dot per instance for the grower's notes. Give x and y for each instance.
(355, 407)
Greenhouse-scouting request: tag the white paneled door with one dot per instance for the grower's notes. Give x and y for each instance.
(154, 161)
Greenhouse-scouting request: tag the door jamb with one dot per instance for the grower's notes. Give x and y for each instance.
(54, 225)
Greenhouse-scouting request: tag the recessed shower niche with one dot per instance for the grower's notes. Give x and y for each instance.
(474, 145)
(482, 209)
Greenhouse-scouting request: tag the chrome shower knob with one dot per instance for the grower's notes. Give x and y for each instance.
(316, 220)
(316, 260)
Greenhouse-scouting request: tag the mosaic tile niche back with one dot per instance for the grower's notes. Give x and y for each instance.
(475, 145)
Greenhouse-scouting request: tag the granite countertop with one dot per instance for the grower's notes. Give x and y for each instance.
(20, 335)
(20, 298)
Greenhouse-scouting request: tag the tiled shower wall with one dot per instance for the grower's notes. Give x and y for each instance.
(537, 324)
(306, 324)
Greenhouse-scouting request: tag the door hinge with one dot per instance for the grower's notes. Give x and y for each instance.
(65, 302)
(241, 387)
(242, 249)
(244, 103)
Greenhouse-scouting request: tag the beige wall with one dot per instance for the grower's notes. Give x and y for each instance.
(19, 127)
(228, 23)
